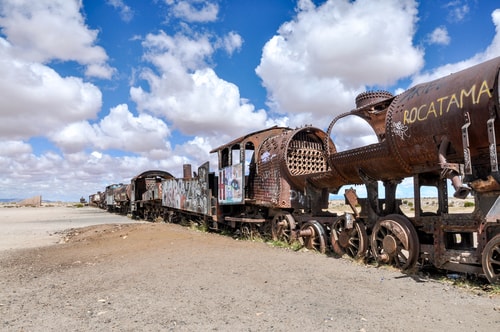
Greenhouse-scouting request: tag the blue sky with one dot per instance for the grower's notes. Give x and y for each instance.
(95, 92)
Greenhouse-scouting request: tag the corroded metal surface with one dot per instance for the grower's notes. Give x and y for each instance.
(284, 165)
(454, 114)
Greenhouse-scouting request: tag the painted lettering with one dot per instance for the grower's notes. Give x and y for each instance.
(466, 94)
(484, 89)
(440, 100)
(444, 104)
(420, 112)
(432, 110)
(453, 100)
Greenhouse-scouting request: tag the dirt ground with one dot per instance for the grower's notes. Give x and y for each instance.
(128, 276)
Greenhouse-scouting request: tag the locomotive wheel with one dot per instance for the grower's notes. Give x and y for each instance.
(394, 241)
(353, 241)
(313, 236)
(246, 231)
(491, 260)
(283, 225)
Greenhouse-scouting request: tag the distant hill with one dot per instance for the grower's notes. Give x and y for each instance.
(9, 200)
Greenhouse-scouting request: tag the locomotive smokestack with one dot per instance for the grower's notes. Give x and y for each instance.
(371, 97)
(186, 168)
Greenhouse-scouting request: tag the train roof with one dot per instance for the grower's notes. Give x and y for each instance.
(151, 173)
(254, 137)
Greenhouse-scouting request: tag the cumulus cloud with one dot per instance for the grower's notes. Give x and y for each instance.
(46, 30)
(187, 92)
(126, 13)
(35, 99)
(439, 36)
(457, 10)
(352, 132)
(13, 148)
(119, 130)
(231, 42)
(194, 10)
(75, 175)
(319, 61)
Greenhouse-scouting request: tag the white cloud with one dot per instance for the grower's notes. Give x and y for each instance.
(35, 99)
(14, 148)
(47, 30)
(439, 36)
(96, 154)
(232, 42)
(457, 10)
(119, 130)
(195, 10)
(188, 93)
(122, 130)
(352, 132)
(126, 13)
(177, 54)
(321, 60)
(68, 176)
(99, 70)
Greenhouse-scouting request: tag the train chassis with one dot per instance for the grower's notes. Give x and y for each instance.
(376, 229)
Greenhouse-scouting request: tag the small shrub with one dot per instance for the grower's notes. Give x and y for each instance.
(468, 204)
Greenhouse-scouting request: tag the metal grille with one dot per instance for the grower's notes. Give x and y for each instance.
(306, 157)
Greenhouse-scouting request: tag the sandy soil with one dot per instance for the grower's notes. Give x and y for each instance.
(127, 276)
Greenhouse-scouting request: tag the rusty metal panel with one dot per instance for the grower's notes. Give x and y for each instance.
(268, 173)
(192, 194)
(421, 116)
(285, 165)
(121, 193)
(110, 190)
(374, 160)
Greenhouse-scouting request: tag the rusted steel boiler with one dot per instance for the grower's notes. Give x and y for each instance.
(446, 129)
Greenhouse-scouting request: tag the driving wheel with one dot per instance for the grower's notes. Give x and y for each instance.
(491, 260)
(394, 241)
(283, 225)
(352, 240)
(313, 236)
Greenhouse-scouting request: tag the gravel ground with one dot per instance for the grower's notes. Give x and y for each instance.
(118, 275)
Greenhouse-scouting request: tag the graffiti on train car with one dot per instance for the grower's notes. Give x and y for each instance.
(443, 104)
(231, 184)
(298, 196)
(187, 194)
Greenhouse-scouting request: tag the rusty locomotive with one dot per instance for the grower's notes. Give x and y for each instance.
(277, 181)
